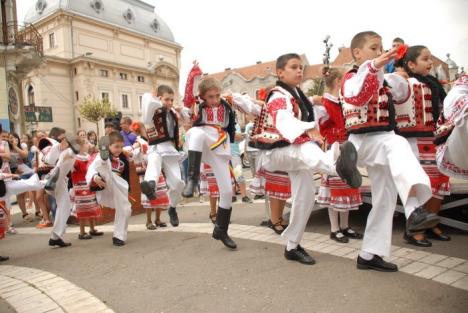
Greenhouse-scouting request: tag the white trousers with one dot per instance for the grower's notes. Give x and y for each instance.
(171, 167)
(62, 197)
(393, 170)
(16, 187)
(115, 195)
(200, 139)
(457, 146)
(300, 162)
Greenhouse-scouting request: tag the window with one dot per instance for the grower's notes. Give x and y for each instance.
(140, 102)
(104, 73)
(75, 71)
(141, 79)
(125, 102)
(51, 40)
(31, 98)
(105, 96)
(77, 96)
(79, 122)
(123, 76)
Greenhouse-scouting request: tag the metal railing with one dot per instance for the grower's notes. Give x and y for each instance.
(21, 36)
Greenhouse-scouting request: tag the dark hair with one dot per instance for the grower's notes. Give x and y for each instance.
(110, 124)
(398, 39)
(17, 138)
(115, 136)
(330, 74)
(55, 132)
(92, 132)
(412, 54)
(164, 89)
(360, 39)
(282, 60)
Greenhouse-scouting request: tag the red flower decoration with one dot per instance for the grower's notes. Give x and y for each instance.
(261, 95)
(401, 52)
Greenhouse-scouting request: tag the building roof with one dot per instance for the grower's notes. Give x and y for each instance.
(264, 69)
(132, 15)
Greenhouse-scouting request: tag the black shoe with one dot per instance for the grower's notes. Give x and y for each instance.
(220, 231)
(96, 233)
(104, 147)
(376, 263)
(117, 242)
(234, 199)
(338, 236)
(300, 255)
(420, 220)
(85, 236)
(258, 197)
(148, 188)
(278, 228)
(437, 234)
(4, 258)
(59, 242)
(173, 217)
(72, 143)
(417, 242)
(247, 200)
(350, 233)
(193, 176)
(346, 165)
(52, 181)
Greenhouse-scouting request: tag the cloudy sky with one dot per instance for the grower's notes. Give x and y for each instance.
(221, 34)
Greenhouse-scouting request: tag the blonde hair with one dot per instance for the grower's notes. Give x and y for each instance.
(207, 84)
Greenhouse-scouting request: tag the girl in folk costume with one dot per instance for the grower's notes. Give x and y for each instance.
(162, 130)
(334, 193)
(416, 120)
(108, 175)
(86, 206)
(140, 150)
(3, 225)
(209, 140)
(452, 132)
(367, 98)
(288, 138)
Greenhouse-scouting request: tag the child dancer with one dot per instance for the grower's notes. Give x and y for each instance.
(334, 193)
(368, 109)
(416, 119)
(108, 174)
(86, 206)
(3, 225)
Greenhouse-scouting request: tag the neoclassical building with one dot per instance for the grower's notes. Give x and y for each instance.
(103, 49)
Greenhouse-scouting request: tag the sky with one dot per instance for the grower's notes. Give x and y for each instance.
(221, 34)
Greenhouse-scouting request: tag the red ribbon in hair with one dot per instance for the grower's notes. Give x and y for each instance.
(135, 127)
(401, 51)
(262, 94)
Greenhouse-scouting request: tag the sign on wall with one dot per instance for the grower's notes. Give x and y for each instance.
(38, 114)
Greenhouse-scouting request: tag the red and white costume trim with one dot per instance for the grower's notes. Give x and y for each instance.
(3, 219)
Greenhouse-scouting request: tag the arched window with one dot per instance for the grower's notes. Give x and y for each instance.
(31, 99)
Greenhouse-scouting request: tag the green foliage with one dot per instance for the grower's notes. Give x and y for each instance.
(95, 110)
(317, 89)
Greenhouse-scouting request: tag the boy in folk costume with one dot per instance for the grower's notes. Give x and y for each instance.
(140, 153)
(162, 129)
(416, 121)
(452, 132)
(368, 109)
(108, 175)
(209, 140)
(288, 138)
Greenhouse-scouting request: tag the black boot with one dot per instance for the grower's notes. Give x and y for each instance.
(59, 242)
(104, 147)
(173, 217)
(4, 258)
(346, 165)
(221, 228)
(194, 162)
(52, 181)
(148, 188)
(420, 220)
(72, 143)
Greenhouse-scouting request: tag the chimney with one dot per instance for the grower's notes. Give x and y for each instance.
(227, 69)
(259, 62)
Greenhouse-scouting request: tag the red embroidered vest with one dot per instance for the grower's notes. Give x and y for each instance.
(161, 132)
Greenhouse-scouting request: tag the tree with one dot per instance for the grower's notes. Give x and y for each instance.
(317, 89)
(95, 110)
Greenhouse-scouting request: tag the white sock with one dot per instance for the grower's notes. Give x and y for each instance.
(291, 245)
(366, 255)
(333, 215)
(344, 218)
(410, 206)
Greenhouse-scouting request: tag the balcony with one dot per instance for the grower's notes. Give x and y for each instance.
(22, 46)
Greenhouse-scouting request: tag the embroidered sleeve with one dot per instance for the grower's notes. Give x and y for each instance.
(284, 120)
(400, 87)
(244, 104)
(358, 88)
(148, 106)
